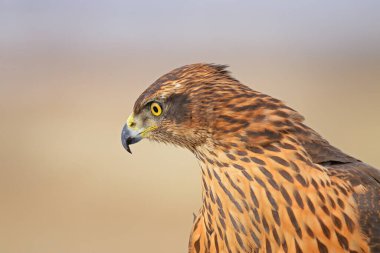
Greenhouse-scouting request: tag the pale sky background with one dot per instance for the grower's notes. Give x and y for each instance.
(70, 72)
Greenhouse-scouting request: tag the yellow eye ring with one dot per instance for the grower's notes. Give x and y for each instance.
(156, 109)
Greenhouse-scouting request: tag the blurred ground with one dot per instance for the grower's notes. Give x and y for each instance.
(70, 73)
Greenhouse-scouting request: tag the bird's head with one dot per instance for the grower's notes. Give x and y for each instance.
(196, 103)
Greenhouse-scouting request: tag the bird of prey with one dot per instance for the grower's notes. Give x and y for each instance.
(269, 182)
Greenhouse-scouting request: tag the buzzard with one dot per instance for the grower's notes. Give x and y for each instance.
(269, 182)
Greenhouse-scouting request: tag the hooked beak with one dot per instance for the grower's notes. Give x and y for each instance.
(128, 137)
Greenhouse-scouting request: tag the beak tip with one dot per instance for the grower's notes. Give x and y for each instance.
(125, 140)
(128, 149)
(127, 143)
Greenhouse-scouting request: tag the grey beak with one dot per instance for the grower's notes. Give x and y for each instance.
(129, 137)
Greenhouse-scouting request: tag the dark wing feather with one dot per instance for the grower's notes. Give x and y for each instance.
(321, 151)
(357, 173)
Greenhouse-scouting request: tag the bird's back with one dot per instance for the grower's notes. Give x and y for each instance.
(364, 178)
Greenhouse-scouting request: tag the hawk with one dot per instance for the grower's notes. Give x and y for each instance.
(269, 182)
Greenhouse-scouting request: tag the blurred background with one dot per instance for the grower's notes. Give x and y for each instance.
(71, 70)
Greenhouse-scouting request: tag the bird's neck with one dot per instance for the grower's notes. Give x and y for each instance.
(231, 171)
(260, 195)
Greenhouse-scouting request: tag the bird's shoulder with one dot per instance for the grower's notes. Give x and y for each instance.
(364, 179)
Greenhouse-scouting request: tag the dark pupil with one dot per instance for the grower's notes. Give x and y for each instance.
(155, 109)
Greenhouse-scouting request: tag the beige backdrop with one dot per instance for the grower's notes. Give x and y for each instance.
(70, 72)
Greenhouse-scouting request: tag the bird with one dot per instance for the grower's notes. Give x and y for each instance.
(269, 182)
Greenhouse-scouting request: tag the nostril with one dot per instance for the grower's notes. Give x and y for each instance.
(131, 123)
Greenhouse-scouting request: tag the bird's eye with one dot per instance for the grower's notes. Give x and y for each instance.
(155, 109)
